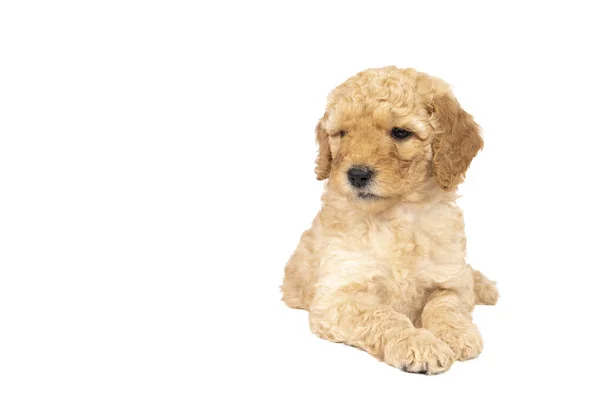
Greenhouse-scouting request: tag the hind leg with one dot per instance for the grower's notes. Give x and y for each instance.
(485, 289)
(298, 282)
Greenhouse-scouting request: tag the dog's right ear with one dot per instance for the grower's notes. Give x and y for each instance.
(324, 157)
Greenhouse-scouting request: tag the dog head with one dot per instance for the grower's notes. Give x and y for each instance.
(390, 132)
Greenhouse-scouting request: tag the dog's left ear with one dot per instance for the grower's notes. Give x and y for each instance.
(457, 138)
(324, 156)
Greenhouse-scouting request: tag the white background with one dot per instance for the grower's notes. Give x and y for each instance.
(156, 172)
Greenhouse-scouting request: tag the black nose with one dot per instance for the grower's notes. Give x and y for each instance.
(359, 176)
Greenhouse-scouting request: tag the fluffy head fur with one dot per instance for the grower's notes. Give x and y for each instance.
(383, 266)
(367, 106)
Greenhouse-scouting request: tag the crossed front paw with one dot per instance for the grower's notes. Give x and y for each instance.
(464, 340)
(419, 351)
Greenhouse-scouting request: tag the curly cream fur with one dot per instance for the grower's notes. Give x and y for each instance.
(387, 274)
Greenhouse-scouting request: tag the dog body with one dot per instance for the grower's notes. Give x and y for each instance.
(383, 266)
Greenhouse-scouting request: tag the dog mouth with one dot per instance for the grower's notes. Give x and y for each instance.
(368, 196)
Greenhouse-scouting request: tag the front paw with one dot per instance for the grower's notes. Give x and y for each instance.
(419, 351)
(464, 340)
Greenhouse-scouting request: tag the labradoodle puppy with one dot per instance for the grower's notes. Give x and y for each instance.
(383, 266)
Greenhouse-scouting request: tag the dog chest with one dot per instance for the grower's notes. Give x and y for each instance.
(407, 244)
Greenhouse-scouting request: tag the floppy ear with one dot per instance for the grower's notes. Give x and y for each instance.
(457, 140)
(324, 156)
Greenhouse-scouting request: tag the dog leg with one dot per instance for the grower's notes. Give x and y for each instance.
(354, 317)
(485, 289)
(298, 283)
(448, 316)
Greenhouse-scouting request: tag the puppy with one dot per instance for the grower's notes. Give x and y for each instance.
(383, 266)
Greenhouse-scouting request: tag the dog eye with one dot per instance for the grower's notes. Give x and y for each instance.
(399, 133)
(342, 134)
